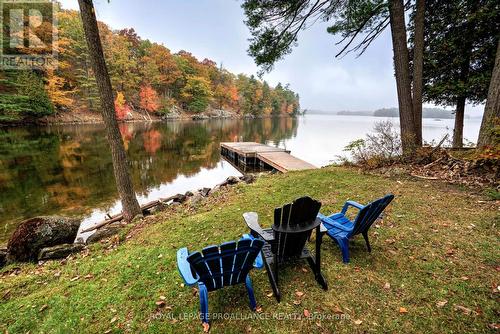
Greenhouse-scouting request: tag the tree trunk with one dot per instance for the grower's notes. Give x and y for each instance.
(402, 72)
(491, 117)
(458, 131)
(120, 165)
(418, 65)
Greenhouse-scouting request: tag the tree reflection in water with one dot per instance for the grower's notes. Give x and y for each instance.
(67, 169)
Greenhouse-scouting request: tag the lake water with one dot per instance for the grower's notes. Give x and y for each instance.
(67, 169)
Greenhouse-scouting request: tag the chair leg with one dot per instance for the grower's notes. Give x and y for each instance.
(251, 296)
(203, 302)
(344, 248)
(273, 278)
(317, 262)
(365, 235)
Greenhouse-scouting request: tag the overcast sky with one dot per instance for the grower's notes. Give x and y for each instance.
(214, 29)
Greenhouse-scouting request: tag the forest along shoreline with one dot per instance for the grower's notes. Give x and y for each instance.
(88, 117)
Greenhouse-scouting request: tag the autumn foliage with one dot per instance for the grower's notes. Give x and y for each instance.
(122, 109)
(148, 77)
(149, 100)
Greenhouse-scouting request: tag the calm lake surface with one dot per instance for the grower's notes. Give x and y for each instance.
(67, 169)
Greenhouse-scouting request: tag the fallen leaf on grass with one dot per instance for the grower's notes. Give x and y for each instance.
(160, 303)
(464, 278)
(387, 286)
(403, 310)
(269, 295)
(358, 322)
(258, 309)
(307, 314)
(337, 310)
(296, 302)
(464, 309)
(494, 326)
(206, 327)
(44, 306)
(113, 320)
(441, 303)
(89, 276)
(299, 293)
(74, 278)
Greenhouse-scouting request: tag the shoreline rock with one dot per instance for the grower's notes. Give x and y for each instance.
(102, 233)
(59, 251)
(3, 257)
(39, 232)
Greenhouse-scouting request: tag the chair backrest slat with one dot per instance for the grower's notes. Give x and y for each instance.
(213, 260)
(300, 214)
(227, 264)
(369, 214)
(227, 251)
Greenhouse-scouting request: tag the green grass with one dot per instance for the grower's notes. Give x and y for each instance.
(437, 243)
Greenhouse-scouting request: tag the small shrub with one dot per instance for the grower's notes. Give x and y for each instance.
(381, 147)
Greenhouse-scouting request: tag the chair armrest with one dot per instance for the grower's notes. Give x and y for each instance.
(259, 262)
(322, 228)
(353, 204)
(252, 221)
(329, 222)
(185, 268)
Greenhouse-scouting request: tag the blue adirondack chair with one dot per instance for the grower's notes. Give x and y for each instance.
(341, 229)
(219, 266)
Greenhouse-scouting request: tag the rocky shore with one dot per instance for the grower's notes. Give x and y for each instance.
(53, 237)
(86, 117)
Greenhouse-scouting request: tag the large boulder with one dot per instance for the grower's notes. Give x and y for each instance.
(3, 256)
(40, 232)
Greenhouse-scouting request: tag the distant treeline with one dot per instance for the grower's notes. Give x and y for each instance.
(145, 76)
(426, 113)
(394, 112)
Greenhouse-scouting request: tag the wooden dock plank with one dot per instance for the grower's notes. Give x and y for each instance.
(249, 153)
(284, 162)
(250, 149)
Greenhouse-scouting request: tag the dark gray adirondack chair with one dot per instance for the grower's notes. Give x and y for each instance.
(286, 239)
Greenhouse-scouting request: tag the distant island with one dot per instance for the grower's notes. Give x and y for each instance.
(436, 113)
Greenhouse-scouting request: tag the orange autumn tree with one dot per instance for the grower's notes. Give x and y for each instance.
(122, 109)
(149, 99)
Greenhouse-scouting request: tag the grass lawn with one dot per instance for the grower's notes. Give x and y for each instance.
(434, 267)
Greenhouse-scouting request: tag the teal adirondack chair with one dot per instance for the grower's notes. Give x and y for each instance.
(219, 266)
(341, 229)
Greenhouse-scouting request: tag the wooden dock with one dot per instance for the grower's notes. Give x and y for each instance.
(251, 155)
